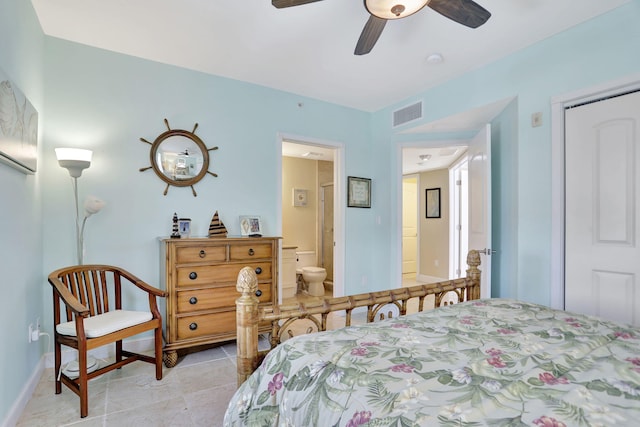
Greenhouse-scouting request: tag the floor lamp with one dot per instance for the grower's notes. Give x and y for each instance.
(75, 160)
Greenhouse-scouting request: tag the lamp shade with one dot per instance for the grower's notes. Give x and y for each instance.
(92, 205)
(394, 9)
(75, 160)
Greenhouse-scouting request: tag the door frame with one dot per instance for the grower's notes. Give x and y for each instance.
(558, 105)
(457, 250)
(399, 147)
(339, 205)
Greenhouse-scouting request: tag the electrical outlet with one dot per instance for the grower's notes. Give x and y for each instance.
(38, 324)
(30, 331)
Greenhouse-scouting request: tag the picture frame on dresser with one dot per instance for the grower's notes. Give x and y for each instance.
(250, 226)
(184, 227)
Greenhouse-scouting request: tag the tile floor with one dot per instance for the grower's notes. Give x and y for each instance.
(193, 393)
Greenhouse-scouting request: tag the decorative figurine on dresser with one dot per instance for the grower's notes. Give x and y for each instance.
(200, 275)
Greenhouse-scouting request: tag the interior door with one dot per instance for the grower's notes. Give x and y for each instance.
(480, 203)
(409, 225)
(602, 201)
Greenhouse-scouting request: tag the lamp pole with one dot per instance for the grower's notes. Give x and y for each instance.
(79, 230)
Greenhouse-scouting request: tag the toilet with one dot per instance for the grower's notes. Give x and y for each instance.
(310, 277)
(314, 278)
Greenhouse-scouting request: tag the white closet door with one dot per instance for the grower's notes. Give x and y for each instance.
(602, 194)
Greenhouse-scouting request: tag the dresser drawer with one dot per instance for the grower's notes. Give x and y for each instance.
(200, 253)
(207, 324)
(223, 273)
(214, 298)
(240, 252)
(200, 276)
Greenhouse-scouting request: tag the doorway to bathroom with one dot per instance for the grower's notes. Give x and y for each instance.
(311, 213)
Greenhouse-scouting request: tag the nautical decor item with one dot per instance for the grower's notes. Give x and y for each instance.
(179, 158)
(217, 228)
(175, 232)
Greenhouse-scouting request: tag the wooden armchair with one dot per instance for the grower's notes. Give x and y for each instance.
(92, 298)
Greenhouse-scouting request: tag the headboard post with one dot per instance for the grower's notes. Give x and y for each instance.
(473, 274)
(247, 323)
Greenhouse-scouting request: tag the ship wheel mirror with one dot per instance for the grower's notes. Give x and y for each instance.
(179, 158)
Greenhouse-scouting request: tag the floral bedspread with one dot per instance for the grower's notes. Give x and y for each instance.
(480, 363)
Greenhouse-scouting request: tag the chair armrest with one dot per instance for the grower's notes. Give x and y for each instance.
(142, 284)
(69, 300)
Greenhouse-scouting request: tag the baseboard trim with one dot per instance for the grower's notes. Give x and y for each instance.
(25, 394)
(423, 278)
(47, 361)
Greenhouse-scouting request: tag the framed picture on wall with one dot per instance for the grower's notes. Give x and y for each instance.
(432, 197)
(299, 197)
(358, 192)
(18, 128)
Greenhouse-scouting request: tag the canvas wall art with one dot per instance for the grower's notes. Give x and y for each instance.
(18, 128)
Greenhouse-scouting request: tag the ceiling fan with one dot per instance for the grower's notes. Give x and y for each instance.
(465, 12)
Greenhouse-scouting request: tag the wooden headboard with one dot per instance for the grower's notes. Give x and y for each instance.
(249, 316)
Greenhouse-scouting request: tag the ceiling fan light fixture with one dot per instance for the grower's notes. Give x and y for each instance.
(394, 9)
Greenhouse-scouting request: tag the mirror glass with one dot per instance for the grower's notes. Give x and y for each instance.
(179, 158)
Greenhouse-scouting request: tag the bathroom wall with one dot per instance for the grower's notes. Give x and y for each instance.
(299, 223)
(434, 232)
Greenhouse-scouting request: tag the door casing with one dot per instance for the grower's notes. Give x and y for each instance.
(338, 196)
(558, 105)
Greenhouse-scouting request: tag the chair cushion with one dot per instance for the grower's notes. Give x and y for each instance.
(103, 324)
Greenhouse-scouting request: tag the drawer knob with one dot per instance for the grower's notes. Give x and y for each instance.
(251, 252)
(193, 300)
(193, 326)
(258, 270)
(193, 275)
(258, 293)
(202, 253)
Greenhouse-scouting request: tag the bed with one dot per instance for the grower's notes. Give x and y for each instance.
(495, 362)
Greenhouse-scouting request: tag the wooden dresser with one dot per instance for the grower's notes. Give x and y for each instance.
(200, 276)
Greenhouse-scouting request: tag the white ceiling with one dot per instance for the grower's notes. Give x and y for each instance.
(308, 49)
(439, 157)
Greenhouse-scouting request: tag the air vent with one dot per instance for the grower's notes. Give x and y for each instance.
(407, 114)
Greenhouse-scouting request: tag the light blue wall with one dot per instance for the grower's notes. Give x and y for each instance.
(504, 193)
(104, 101)
(21, 47)
(601, 50)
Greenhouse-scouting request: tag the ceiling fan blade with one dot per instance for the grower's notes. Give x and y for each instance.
(465, 12)
(288, 3)
(370, 34)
